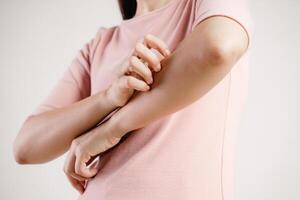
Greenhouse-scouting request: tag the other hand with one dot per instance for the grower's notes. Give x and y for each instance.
(136, 73)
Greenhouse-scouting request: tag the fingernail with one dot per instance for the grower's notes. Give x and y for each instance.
(150, 80)
(168, 52)
(158, 68)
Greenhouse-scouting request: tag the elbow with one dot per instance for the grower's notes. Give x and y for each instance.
(20, 155)
(22, 147)
(19, 158)
(224, 53)
(25, 153)
(32, 147)
(220, 42)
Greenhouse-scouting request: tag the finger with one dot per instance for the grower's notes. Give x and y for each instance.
(137, 66)
(133, 83)
(69, 167)
(147, 55)
(94, 163)
(156, 43)
(134, 53)
(157, 53)
(123, 69)
(76, 184)
(81, 167)
(93, 159)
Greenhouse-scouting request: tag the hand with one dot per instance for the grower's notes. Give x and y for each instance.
(136, 72)
(84, 149)
(132, 76)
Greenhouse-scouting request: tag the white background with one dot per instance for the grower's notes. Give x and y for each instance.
(38, 39)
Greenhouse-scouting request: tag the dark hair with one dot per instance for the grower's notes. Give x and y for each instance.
(128, 8)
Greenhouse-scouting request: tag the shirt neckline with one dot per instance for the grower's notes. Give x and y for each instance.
(149, 14)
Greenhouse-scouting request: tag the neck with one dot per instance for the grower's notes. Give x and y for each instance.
(145, 6)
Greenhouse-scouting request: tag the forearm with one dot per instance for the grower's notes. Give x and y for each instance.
(196, 66)
(49, 134)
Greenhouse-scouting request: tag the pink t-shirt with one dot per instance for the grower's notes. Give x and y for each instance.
(187, 155)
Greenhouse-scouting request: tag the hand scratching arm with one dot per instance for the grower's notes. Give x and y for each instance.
(201, 60)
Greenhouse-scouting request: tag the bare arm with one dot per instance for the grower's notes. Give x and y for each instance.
(43, 137)
(45, 133)
(201, 60)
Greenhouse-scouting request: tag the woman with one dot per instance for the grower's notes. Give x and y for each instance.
(175, 141)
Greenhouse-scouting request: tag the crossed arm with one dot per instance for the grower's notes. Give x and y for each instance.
(200, 61)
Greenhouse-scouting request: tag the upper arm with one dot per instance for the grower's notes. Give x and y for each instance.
(74, 84)
(221, 29)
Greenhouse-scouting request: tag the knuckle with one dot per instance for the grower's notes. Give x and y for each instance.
(155, 60)
(132, 60)
(120, 81)
(79, 150)
(123, 68)
(148, 36)
(130, 69)
(74, 143)
(138, 46)
(127, 81)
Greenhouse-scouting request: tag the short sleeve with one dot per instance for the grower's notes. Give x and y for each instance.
(74, 84)
(237, 10)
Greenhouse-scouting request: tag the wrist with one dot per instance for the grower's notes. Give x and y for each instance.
(117, 126)
(108, 99)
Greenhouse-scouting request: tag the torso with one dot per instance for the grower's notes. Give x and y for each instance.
(186, 155)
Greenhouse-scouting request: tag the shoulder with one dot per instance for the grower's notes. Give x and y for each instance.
(106, 29)
(100, 40)
(236, 10)
(103, 33)
(101, 36)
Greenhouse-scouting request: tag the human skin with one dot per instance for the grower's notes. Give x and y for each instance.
(43, 137)
(201, 61)
(144, 6)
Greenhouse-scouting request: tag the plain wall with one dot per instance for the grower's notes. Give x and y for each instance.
(38, 39)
